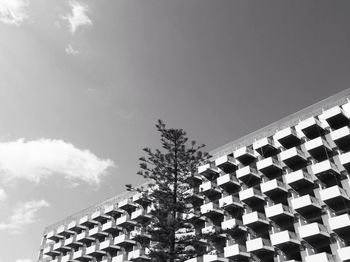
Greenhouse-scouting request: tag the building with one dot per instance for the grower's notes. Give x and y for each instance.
(281, 193)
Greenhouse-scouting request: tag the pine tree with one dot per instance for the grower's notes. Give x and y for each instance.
(170, 170)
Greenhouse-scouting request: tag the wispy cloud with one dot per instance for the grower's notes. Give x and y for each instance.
(24, 214)
(13, 12)
(39, 159)
(3, 196)
(78, 16)
(24, 260)
(71, 51)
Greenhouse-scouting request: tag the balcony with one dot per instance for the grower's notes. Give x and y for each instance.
(248, 175)
(109, 246)
(141, 198)
(230, 203)
(120, 258)
(96, 232)
(212, 231)
(307, 206)
(53, 236)
(256, 221)
(229, 183)
(233, 226)
(341, 138)
(214, 258)
(252, 197)
(299, 180)
(341, 226)
(94, 251)
(294, 158)
(226, 164)
(75, 226)
(140, 215)
(127, 205)
(335, 117)
(62, 231)
(49, 251)
(100, 216)
(125, 221)
(111, 228)
(70, 242)
(285, 240)
(318, 148)
(139, 234)
(274, 189)
(65, 258)
(87, 222)
(139, 254)
(209, 171)
(311, 127)
(287, 137)
(192, 195)
(335, 197)
(78, 255)
(60, 247)
(113, 211)
(245, 155)
(261, 247)
(270, 167)
(265, 147)
(209, 189)
(314, 234)
(344, 254)
(84, 237)
(321, 257)
(281, 214)
(236, 252)
(345, 160)
(326, 171)
(211, 210)
(124, 241)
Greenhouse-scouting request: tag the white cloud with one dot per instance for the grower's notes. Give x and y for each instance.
(24, 214)
(71, 51)
(23, 260)
(78, 17)
(3, 196)
(13, 11)
(39, 159)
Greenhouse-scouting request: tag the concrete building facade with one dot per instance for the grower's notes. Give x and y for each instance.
(281, 193)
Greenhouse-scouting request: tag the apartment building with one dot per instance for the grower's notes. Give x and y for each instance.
(281, 193)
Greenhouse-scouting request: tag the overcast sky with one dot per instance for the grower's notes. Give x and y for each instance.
(83, 82)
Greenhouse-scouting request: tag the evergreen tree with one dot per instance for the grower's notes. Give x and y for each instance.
(170, 170)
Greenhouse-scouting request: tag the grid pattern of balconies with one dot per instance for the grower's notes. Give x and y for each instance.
(283, 197)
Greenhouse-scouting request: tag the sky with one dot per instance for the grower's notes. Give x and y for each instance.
(82, 84)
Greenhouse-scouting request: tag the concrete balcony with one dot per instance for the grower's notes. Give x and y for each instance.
(214, 258)
(70, 242)
(287, 137)
(280, 214)
(127, 205)
(84, 237)
(341, 137)
(265, 147)
(113, 211)
(125, 221)
(78, 255)
(233, 225)
(65, 232)
(109, 246)
(192, 195)
(307, 206)
(140, 215)
(94, 251)
(53, 236)
(120, 258)
(60, 247)
(139, 254)
(321, 257)
(335, 117)
(274, 189)
(75, 226)
(314, 234)
(211, 230)
(96, 232)
(345, 160)
(325, 171)
(256, 221)
(299, 180)
(211, 210)
(294, 158)
(100, 216)
(270, 167)
(341, 226)
(210, 189)
(344, 254)
(87, 222)
(110, 227)
(230, 203)
(236, 252)
(141, 198)
(139, 234)
(285, 240)
(49, 251)
(335, 197)
(124, 241)
(229, 183)
(245, 155)
(248, 175)
(226, 164)
(65, 258)
(318, 148)
(252, 197)
(209, 171)
(261, 247)
(311, 127)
